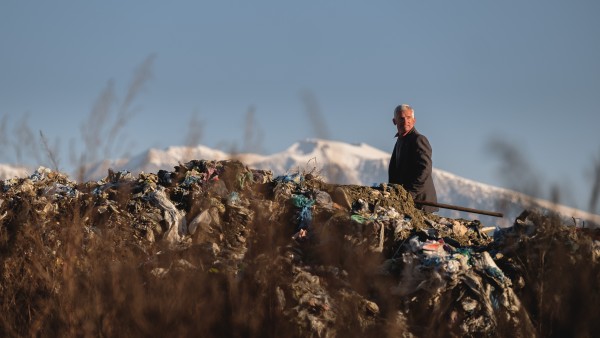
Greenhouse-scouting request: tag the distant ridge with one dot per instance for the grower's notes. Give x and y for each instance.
(10, 171)
(344, 163)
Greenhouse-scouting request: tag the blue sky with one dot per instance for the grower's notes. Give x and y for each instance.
(527, 72)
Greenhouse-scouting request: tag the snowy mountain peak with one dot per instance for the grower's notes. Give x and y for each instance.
(335, 148)
(10, 171)
(344, 163)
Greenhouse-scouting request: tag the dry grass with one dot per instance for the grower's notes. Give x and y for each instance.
(80, 273)
(558, 270)
(74, 271)
(595, 186)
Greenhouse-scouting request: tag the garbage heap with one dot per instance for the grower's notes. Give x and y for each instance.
(214, 248)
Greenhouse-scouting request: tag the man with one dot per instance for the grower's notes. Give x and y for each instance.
(410, 164)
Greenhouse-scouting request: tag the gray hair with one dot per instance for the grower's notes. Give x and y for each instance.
(403, 107)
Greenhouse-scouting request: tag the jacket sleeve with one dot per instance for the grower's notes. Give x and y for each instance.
(422, 166)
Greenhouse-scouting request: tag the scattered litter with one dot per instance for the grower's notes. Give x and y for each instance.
(323, 260)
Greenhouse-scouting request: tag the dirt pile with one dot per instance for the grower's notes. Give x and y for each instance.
(217, 249)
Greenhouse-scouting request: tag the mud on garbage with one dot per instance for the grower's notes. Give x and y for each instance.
(214, 248)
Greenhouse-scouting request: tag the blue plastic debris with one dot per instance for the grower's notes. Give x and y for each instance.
(305, 214)
(494, 272)
(190, 179)
(234, 198)
(60, 190)
(39, 174)
(295, 178)
(301, 201)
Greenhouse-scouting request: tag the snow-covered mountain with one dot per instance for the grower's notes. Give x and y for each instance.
(343, 163)
(10, 171)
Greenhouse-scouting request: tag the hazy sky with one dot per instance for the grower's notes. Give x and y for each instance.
(526, 72)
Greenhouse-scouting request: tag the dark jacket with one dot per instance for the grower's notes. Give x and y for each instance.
(412, 169)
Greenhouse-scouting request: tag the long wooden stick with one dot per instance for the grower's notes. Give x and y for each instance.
(455, 207)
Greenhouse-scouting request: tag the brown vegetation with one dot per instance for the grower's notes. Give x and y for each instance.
(222, 255)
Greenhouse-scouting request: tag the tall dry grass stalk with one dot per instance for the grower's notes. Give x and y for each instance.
(319, 125)
(4, 137)
(141, 76)
(253, 134)
(252, 139)
(519, 174)
(103, 133)
(25, 143)
(514, 168)
(51, 151)
(193, 136)
(92, 130)
(314, 114)
(595, 186)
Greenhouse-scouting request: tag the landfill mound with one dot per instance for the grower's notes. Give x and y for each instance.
(214, 248)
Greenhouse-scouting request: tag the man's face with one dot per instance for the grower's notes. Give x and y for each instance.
(404, 122)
